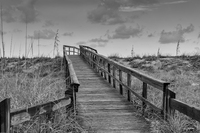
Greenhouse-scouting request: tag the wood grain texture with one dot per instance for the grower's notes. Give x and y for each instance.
(186, 109)
(100, 107)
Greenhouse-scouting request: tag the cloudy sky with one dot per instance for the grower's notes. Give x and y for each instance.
(110, 26)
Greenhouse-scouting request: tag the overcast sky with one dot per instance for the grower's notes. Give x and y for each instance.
(110, 26)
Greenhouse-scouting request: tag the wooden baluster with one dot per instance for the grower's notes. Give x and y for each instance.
(171, 95)
(144, 94)
(104, 66)
(114, 70)
(94, 59)
(165, 101)
(120, 85)
(73, 51)
(129, 85)
(5, 116)
(109, 78)
(98, 64)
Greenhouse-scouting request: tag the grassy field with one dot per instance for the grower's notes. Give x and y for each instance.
(183, 73)
(35, 81)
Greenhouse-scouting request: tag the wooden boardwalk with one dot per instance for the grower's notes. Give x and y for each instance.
(101, 107)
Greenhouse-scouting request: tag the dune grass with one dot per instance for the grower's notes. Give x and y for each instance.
(42, 81)
(183, 74)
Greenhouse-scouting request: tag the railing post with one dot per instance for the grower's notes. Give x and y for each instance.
(114, 70)
(5, 116)
(98, 64)
(129, 85)
(94, 61)
(104, 66)
(120, 85)
(109, 78)
(171, 95)
(101, 64)
(73, 51)
(165, 101)
(144, 95)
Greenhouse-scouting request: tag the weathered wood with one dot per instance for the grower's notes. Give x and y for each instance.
(22, 115)
(141, 76)
(73, 78)
(5, 116)
(186, 109)
(102, 107)
(140, 97)
(144, 95)
(129, 85)
(104, 66)
(89, 48)
(109, 78)
(71, 50)
(158, 84)
(120, 85)
(114, 71)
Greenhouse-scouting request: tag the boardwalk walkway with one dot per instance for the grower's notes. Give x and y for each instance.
(101, 106)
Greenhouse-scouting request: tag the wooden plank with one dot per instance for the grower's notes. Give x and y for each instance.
(109, 78)
(5, 115)
(129, 85)
(143, 77)
(89, 48)
(186, 109)
(120, 79)
(102, 108)
(21, 115)
(144, 95)
(114, 71)
(73, 78)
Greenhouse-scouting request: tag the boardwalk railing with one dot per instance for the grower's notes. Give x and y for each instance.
(71, 79)
(70, 50)
(104, 65)
(12, 118)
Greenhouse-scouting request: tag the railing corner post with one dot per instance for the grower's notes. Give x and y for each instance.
(5, 116)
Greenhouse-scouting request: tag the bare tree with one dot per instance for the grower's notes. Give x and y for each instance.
(56, 45)
(3, 45)
(11, 46)
(158, 53)
(38, 43)
(177, 48)
(132, 51)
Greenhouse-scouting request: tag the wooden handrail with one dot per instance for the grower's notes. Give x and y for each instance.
(71, 78)
(71, 75)
(71, 50)
(186, 109)
(170, 103)
(38, 110)
(46, 108)
(89, 48)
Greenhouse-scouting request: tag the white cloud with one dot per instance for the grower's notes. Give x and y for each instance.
(7, 14)
(99, 40)
(28, 11)
(175, 36)
(44, 34)
(133, 9)
(97, 45)
(105, 16)
(80, 43)
(68, 34)
(48, 23)
(123, 32)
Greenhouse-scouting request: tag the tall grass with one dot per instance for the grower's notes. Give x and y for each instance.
(41, 82)
(184, 79)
